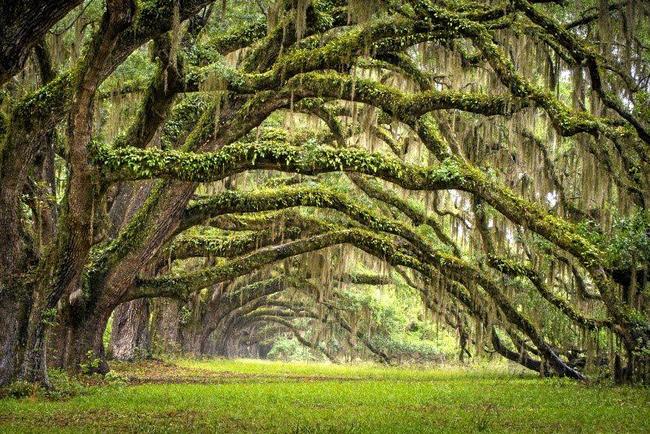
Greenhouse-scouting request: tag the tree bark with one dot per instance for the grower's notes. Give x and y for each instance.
(130, 333)
(521, 358)
(12, 330)
(85, 344)
(22, 24)
(165, 326)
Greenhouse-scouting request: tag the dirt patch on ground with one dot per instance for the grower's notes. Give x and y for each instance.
(161, 372)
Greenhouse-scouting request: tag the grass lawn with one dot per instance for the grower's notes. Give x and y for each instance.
(256, 396)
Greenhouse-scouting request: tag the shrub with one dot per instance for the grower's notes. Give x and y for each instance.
(115, 379)
(91, 364)
(21, 389)
(62, 385)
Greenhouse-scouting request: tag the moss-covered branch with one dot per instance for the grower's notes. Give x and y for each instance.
(584, 53)
(417, 216)
(176, 286)
(227, 245)
(513, 268)
(132, 164)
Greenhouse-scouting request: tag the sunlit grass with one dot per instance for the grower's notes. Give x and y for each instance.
(304, 397)
(362, 370)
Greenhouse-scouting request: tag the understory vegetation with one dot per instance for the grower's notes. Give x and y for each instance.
(411, 183)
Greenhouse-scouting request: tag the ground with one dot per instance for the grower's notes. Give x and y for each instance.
(257, 396)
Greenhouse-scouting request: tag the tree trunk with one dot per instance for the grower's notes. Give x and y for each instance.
(206, 344)
(57, 344)
(12, 329)
(165, 326)
(637, 370)
(85, 344)
(130, 334)
(34, 367)
(221, 345)
(191, 340)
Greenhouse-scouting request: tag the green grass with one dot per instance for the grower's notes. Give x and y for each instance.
(357, 371)
(254, 396)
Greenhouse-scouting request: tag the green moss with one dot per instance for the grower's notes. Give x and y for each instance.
(223, 43)
(45, 107)
(532, 215)
(182, 120)
(130, 163)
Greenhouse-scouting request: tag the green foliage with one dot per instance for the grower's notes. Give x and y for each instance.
(398, 325)
(106, 338)
(407, 348)
(49, 317)
(289, 349)
(135, 73)
(627, 245)
(113, 378)
(90, 364)
(184, 116)
(185, 315)
(642, 105)
(630, 244)
(20, 389)
(63, 386)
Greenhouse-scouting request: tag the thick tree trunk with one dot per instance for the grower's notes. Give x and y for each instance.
(192, 329)
(165, 326)
(12, 328)
(191, 339)
(34, 368)
(85, 344)
(206, 344)
(130, 332)
(15, 258)
(221, 345)
(264, 350)
(637, 347)
(41, 319)
(57, 344)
